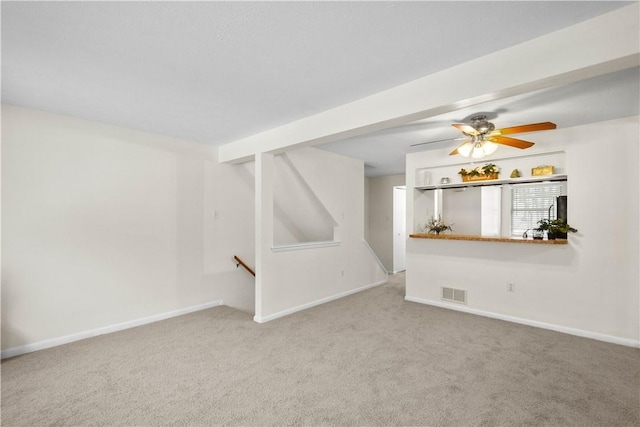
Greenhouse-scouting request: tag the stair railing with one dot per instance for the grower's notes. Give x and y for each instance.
(239, 263)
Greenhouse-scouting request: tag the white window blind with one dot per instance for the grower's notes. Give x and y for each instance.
(531, 203)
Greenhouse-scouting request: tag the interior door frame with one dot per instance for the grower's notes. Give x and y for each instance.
(399, 228)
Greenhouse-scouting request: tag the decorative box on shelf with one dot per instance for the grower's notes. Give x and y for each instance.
(542, 170)
(481, 177)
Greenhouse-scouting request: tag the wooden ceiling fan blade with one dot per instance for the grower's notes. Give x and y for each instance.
(533, 127)
(466, 129)
(438, 140)
(455, 152)
(512, 142)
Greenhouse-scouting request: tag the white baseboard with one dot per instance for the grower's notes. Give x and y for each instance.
(263, 319)
(28, 348)
(558, 328)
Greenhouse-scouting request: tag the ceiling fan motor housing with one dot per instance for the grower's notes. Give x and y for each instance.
(481, 124)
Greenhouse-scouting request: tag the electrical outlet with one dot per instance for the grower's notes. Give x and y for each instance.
(511, 287)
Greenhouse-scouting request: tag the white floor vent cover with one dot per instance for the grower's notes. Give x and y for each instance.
(454, 295)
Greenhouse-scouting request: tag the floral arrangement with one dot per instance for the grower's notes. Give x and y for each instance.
(487, 169)
(436, 225)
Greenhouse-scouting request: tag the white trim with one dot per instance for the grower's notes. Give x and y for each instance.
(309, 245)
(263, 319)
(558, 328)
(28, 348)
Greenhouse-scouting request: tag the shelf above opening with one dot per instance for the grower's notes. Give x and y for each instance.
(527, 180)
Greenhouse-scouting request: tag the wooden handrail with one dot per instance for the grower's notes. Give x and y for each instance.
(239, 262)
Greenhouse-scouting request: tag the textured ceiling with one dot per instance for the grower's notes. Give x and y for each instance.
(215, 72)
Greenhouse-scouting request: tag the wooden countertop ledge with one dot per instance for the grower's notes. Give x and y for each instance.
(486, 239)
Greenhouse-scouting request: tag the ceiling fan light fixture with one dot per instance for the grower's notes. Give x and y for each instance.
(484, 148)
(466, 148)
(477, 147)
(477, 152)
(489, 147)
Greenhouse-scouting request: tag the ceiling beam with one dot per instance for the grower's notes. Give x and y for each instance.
(601, 45)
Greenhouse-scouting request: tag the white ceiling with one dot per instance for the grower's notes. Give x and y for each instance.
(597, 99)
(216, 72)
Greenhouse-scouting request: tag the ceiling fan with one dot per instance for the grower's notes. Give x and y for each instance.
(482, 137)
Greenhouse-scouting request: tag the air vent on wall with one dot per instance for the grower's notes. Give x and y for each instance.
(454, 295)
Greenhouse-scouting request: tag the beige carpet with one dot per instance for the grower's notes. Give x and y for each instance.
(368, 359)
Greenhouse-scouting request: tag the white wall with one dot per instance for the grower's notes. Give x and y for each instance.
(380, 233)
(589, 287)
(103, 225)
(289, 281)
(299, 216)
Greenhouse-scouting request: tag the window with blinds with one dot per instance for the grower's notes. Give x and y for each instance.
(531, 203)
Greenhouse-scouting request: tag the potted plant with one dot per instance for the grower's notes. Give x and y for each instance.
(555, 228)
(559, 229)
(436, 225)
